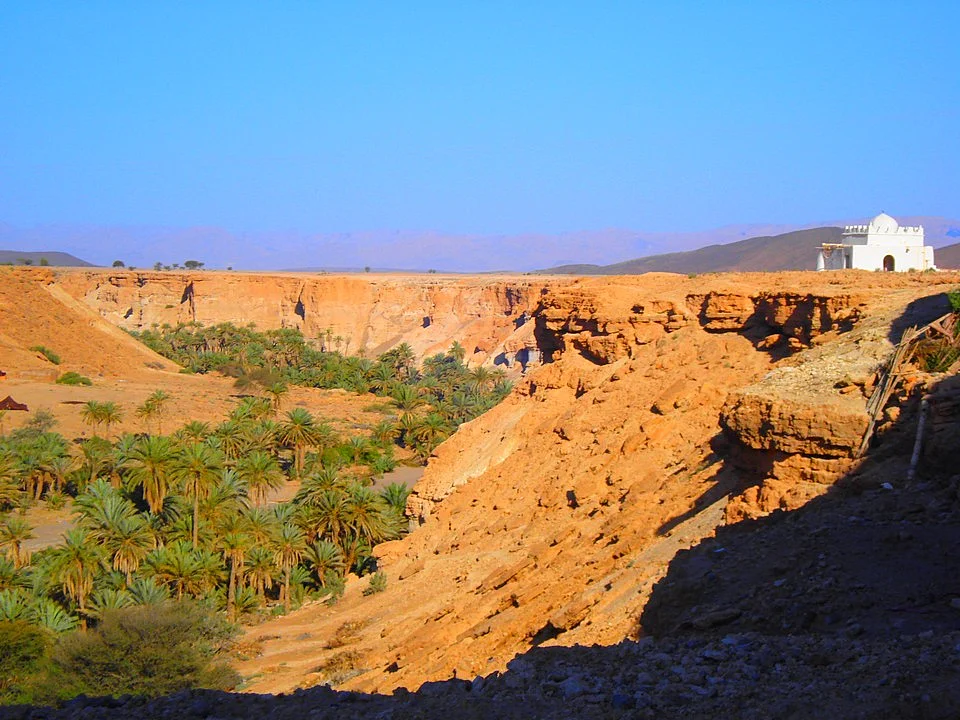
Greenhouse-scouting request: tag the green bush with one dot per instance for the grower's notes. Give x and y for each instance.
(378, 583)
(23, 655)
(155, 650)
(954, 297)
(73, 378)
(47, 353)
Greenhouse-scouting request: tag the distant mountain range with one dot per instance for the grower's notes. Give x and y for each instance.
(219, 248)
(789, 251)
(24, 257)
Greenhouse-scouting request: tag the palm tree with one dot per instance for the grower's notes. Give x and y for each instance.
(231, 440)
(110, 414)
(406, 398)
(13, 533)
(384, 432)
(127, 542)
(325, 557)
(109, 599)
(429, 432)
(59, 467)
(193, 431)
(261, 473)
(150, 466)
(145, 591)
(251, 408)
(367, 514)
(158, 401)
(9, 481)
(289, 545)
(198, 469)
(178, 567)
(262, 436)
(47, 614)
(277, 392)
(233, 543)
(92, 414)
(261, 525)
(97, 454)
(145, 412)
(457, 352)
(327, 515)
(260, 569)
(299, 431)
(380, 377)
(75, 565)
(395, 495)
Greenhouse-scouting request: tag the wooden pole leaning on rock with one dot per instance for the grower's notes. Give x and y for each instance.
(888, 381)
(918, 440)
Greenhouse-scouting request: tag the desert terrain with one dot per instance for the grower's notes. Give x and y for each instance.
(655, 423)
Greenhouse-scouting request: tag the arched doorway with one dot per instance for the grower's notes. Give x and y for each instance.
(889, 265)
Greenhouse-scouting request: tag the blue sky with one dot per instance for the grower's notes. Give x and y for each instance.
(476, 117)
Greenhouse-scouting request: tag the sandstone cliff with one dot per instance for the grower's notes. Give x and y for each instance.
(368, 313)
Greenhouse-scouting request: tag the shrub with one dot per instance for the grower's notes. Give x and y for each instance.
(954, 297)
(47, 353)
(156, 650)
(378, 583)
(23, 654)
(73, 378)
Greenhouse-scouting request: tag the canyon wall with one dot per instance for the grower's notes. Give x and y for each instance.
(351, 313)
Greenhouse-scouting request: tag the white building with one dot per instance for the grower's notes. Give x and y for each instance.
(880, 245)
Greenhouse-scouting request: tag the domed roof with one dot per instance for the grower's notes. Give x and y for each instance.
(884, 223)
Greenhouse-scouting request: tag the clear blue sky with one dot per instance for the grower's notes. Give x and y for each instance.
(476, 117)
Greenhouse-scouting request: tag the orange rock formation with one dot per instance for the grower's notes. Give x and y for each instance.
(666, 404)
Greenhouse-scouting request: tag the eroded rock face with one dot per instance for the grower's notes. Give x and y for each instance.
(347, 313)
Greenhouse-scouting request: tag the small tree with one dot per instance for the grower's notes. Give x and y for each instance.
(118, 264)
(192, 264)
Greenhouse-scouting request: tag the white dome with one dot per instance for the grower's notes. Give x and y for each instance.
(884, 223)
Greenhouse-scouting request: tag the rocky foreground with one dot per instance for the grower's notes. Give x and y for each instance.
(848, 608)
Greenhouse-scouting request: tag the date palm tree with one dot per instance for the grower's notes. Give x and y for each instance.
(178, 567)
(14, 532)
(150, 465)
(75, 564)
(300, 431)
(232, 440)
(326, 558)
(288, 546)
(233, 543)
(197, 469)
(277, 391)
(9, 481)
(261, 473)
(193, 431)
(259, 565)
(158, 401)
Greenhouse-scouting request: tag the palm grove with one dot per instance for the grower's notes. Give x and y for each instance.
(183, 517)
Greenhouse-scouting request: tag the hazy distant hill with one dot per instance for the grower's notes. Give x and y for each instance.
(60, 259)
(417, 250)
(948, 257)
(790, 251)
